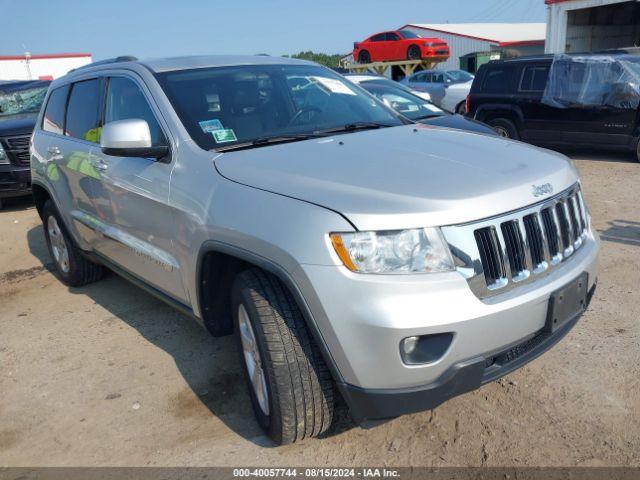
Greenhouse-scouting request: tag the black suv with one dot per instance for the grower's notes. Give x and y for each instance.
(20, 103)
(587, 100)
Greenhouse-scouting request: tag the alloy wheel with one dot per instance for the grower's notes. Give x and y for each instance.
(252, 359)
(58, 244)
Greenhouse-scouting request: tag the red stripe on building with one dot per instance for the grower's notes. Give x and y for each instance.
(42, 57)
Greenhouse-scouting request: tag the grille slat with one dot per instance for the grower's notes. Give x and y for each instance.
(490, 256)
(513, 249)
(534, 237)
(18, 149)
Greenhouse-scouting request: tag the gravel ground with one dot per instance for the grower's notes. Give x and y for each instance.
(107, 375)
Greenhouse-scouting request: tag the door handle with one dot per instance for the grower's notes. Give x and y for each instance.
(54, 153)
(99, 164)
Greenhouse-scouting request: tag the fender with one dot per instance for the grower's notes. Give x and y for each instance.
(512, 111)
(284, 276)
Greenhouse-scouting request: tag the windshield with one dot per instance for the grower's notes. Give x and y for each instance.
(409, 34)
(460, 76)
(23, 97)
(403, 102)
(224, 106)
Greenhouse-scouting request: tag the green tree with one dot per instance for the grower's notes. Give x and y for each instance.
(321, 58)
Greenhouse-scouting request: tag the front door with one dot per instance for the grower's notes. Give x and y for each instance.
(134, 197)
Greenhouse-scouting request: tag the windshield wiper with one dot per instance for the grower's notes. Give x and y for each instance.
(352, 127)
(263, 141)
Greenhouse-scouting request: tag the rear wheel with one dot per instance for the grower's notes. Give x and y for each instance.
(364, 57)
(414, 53)
(504, 128)
(71, 266)
(290, 386)
(461, 109)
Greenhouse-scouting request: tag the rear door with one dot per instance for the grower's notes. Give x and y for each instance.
(541, 122)
(134, 195)
(395, 46)
(70, 164)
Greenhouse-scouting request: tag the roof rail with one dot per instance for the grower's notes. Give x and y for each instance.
(122, 58)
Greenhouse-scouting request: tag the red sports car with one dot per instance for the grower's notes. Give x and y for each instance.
(399, 45)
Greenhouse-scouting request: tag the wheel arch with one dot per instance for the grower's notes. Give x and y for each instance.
(218, 263)
(486, 113)
(40, 196)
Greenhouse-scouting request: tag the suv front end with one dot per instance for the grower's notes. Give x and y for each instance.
(406, 343)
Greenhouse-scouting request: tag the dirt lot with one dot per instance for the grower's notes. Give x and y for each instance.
(107, 375)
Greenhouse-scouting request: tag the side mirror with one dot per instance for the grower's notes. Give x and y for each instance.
(130, 138)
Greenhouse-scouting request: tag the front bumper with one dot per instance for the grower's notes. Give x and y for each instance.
(379, 404)
(362, 320)
(14, 181)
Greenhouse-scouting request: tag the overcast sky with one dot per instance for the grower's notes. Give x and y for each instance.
(155, 28)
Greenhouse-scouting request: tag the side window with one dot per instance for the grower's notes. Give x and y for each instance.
(379, 37)
(534, 78)
(53, 120)
(497, 80)
(392, 37)
(125, 101)
(83, 111)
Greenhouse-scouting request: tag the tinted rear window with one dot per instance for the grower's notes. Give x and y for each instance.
(83, 111)
(53, 120)
(497, 80)
(534, 78)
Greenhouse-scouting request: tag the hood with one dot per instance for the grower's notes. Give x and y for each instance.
(23, 124)
(403, 177)
(459, 122)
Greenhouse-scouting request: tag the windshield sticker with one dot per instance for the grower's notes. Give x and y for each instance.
(334, 86)
(224, 136)
(211, 125)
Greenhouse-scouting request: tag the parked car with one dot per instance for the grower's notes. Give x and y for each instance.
(399, 45)
(351, 251)
(380, 80)
(448, 88)
(20, 103)
(402, 100)
(594, 102)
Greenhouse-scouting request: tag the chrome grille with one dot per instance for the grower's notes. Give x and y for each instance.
(18, 149)
(497, 254)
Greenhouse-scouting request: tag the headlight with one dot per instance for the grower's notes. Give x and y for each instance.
(3, 155)
(427, 44)
(421, 250)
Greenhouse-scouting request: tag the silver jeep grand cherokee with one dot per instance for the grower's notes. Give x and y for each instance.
(352, 251)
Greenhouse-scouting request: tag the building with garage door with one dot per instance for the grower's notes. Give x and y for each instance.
(575, 26)
(40, 67)
(514, 39)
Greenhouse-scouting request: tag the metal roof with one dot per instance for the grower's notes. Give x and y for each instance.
(500, 33)
(183, 63)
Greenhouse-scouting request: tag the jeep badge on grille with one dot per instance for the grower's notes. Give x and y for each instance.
(544, 189)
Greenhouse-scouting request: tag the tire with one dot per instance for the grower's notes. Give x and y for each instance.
(71, 266)
(638, 150)
(364, 57)
(461, 109)
(414, 53)
(504, 128)
(297, 400)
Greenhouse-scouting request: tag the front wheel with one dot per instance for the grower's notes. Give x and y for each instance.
(638, 150)
(290, 386)
(504, 128)
(414, 53)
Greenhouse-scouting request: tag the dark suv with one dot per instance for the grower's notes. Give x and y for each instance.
(568, 100)
(20, 103)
